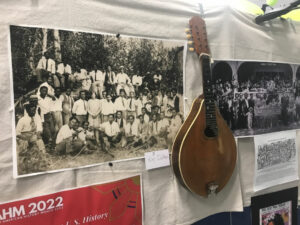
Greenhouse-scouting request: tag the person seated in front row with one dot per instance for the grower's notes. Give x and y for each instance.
(86, 134)
(30, 146)
(121, 121)
(110, 134)
(67, 141)
(142, 134)
(131, 131)
(29, 130)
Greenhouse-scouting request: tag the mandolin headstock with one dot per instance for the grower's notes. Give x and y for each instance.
(198, 35)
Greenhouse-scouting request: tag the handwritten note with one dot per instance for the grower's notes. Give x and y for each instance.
(157, 159)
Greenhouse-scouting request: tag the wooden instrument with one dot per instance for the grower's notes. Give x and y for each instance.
(204, 149)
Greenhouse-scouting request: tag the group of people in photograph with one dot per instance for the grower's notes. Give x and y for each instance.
(258, 105)
(97, 108)
(275, 153)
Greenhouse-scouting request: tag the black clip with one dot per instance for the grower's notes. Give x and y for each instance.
(118, 35)
(110, 164)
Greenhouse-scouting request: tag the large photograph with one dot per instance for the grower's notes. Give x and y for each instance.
(257, 97)
(85, 98)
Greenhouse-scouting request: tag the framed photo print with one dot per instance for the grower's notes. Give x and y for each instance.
(278, 208)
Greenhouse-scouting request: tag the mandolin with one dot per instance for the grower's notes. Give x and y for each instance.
(204, 149)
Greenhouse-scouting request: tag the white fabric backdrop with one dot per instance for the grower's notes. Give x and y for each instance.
(232, 35)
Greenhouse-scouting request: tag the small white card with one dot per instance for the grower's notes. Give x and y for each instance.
(157, 159)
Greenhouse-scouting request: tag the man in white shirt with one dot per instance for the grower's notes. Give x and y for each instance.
(98, 85)
(66, 141)
(104, 96)
(137, 81)
(139, 104)
(44, 104)
(29, 129)
(120, 121)
(108, 107)
(86, 135)
(153, 126)
(63, 72)
(168, 104)
(60, 74)
(131, 131)
(56, 110)
(49, 85)
(110, 81)
(51, 66)
(80, 108)
(41, 69)
(81, 75)
(45, 67)
(142, 128)
(78, 76)
(132, 105)
(121, 103)
(163, 124)
(86, 84)
(30, 146)
(67, 104)
(155, 85)
(110, 133)
(94, 109)
(145, 116)
(175, 123)
(122, 81)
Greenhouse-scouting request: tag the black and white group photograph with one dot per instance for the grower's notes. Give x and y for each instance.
(257, 97)
(275, 153)
(85, 98)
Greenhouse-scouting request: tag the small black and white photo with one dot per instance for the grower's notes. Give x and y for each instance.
(276, 159)
(257, 97)
(82, 99)
(271, 154)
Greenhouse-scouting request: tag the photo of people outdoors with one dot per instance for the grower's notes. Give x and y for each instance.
(83, 98)
(257, 97)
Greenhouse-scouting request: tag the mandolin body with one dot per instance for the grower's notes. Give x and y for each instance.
(199, 161)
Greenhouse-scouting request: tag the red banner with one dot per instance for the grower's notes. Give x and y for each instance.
(112, 203)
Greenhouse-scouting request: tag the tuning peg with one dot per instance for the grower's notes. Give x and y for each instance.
(191, 49)
(187, 30)
(188, 36)
(190, 42)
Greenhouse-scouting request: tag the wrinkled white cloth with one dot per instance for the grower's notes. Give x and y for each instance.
(232, 35)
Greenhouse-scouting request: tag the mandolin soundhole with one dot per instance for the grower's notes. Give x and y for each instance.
(210, 132)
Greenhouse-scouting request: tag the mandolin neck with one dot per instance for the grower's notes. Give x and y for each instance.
(210, 109)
